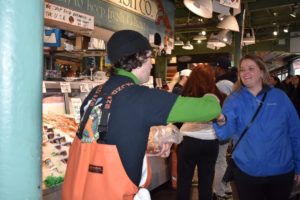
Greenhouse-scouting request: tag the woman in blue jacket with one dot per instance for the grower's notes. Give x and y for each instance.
(267, 159)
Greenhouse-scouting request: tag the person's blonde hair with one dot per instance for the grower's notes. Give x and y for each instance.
(262, 66)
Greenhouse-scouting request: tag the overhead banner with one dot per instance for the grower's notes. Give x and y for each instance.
(68, 16)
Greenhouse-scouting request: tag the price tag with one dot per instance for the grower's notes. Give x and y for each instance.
(84, 87)
(76, 103)
(65, 87)
(44, 87)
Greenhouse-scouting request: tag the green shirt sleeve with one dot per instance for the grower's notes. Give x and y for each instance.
(192, 109)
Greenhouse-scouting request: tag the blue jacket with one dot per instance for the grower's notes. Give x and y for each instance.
(271, 146)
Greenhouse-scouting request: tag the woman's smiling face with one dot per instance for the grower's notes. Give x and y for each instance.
(250, 74)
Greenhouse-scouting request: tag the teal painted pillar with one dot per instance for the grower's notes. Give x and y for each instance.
(21, 50)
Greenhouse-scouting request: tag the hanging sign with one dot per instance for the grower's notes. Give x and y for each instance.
(68, 16)
(231, 3)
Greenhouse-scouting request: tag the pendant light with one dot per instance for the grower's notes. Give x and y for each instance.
(202, 8)
(200, 37)
(249, 37)
(188, 46)
(229, 23)
(214, 42)
(178, 42)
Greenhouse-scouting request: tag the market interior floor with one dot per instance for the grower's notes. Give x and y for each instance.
(165, 192)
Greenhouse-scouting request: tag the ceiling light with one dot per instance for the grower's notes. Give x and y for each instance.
(199, 41)
(200, 36)
(229, 23)
(214, 41)
(178, 42)
(203, 32)
(286, 29)
(202, 8)
(225, 36)
(249, 37)
(188, 46)
(221, 17)
(293, 14)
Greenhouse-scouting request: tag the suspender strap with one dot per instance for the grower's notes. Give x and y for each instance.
(105, 110)
(102, 127)
(251, 122)
(88, 111)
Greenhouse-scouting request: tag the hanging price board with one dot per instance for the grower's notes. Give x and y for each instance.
(65, 87)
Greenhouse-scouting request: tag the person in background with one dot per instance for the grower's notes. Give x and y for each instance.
(222, 69)
(225, 84)
(287, 85)
(133, 111)
(295, 95)
(178, 87)
(275, 81)
(200, 145)
(267, 159)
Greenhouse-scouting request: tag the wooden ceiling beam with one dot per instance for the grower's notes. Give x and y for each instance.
(262, 5)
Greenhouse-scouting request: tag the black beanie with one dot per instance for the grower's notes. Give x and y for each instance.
(126, 43)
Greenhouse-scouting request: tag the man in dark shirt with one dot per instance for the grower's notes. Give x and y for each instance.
(136, 108)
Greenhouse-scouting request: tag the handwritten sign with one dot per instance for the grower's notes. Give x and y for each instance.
(76, 103)
(68, 16)
(65, 87)
(84, 87)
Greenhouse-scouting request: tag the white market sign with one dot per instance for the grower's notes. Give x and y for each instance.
(146, 8)
(68, 16)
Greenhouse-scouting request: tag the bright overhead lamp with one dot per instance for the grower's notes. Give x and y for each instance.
(188, 46)
(286, 29)
(200, 37)
(225, 36)
(202, 8)
(178, 42)
(249, 37)
(293, 14)
(229, 23)
(213, 41)
(275, 32)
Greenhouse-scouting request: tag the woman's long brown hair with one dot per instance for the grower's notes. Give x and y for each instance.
(202, 81)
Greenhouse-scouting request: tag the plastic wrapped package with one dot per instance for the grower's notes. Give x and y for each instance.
(161, 139)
